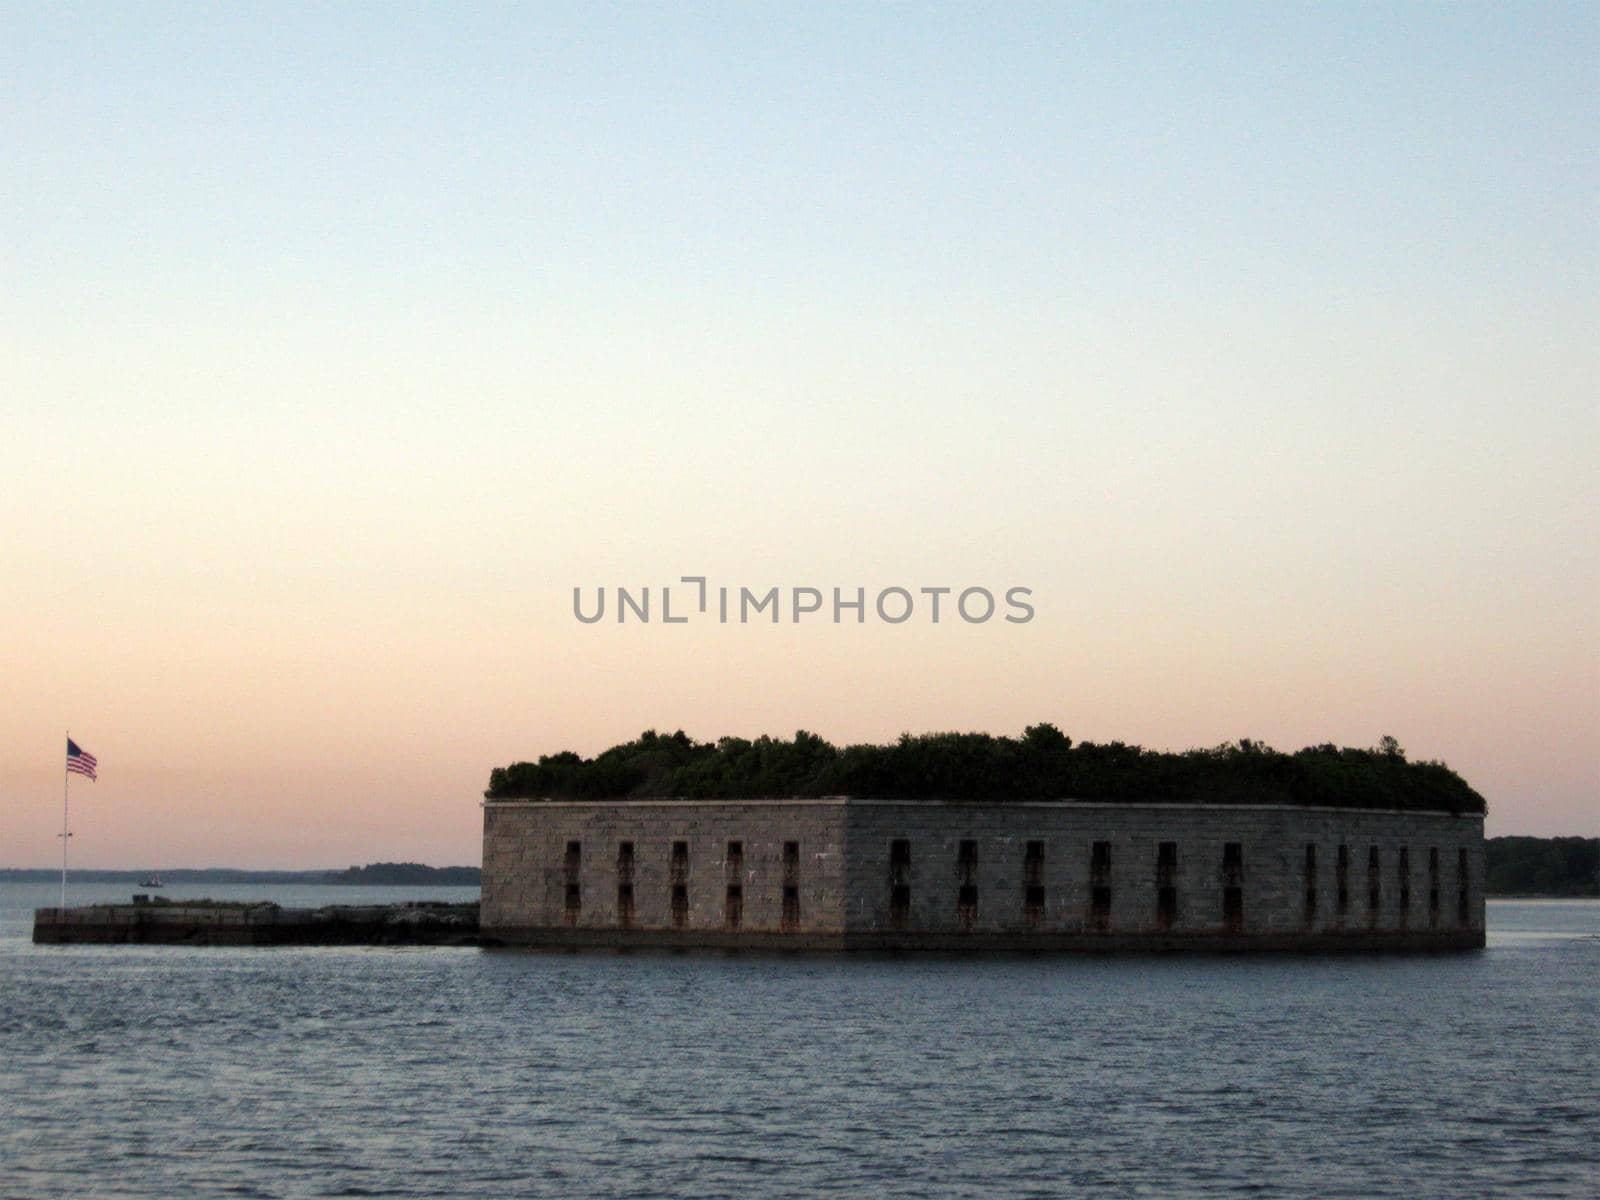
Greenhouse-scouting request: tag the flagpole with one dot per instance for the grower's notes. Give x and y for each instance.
(66, 782)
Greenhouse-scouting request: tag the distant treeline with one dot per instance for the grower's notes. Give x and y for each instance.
(168, 875)
(1530, 866)
(1043, 764)
(372, 875)
(387, 874)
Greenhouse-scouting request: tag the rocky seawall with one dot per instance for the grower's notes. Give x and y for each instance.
(224, 924)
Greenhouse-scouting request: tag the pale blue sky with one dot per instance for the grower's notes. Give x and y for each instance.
(527, 151)
(339, 343)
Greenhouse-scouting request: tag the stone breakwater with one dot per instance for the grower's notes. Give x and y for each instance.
(218, 924)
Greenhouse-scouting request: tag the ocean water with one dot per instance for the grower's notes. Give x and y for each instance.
(412, 1072)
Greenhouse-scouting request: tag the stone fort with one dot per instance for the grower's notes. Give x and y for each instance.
(841, 873)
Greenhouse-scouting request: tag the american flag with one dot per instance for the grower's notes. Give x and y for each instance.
(79, 759)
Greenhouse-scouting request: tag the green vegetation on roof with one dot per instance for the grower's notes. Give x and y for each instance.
(1043, 764)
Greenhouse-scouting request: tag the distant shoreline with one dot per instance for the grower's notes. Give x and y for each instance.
(334, 879)
(1519, 868)
(372, 875)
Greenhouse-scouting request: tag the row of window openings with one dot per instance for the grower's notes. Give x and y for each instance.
(1166, 885)
(1033, 884)
(1375, 884)
(678, 881)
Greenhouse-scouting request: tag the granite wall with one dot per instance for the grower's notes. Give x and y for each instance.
(848, 873)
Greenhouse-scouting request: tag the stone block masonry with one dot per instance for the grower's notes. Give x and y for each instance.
(845, 873)
(631, 872)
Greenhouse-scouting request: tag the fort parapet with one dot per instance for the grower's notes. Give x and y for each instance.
(846, 873)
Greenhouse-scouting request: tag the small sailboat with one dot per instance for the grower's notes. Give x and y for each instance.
(153, 882)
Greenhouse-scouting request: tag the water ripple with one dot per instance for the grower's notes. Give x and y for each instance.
(134, 1071)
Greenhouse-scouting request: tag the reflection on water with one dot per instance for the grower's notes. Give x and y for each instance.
(164, 1071)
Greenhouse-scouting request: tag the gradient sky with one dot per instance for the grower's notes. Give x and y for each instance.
(339, 343)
